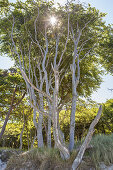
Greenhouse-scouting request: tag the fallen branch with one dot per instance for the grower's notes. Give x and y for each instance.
(88, 138)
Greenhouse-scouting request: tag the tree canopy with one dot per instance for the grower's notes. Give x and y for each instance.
(25, 36)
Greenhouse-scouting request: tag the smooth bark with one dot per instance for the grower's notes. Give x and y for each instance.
(75, 69)
(64, 151)
(49, 131)
(40, 120)
(21, 136)
(87, 140)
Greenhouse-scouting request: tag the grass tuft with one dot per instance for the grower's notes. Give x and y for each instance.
(103, 149)
(45, 158)
(37, 158)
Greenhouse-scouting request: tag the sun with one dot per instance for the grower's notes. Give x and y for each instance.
(53, 20)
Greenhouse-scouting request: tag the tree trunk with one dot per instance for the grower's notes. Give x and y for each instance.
(8, 114)
(88, 138)
(28, 140)
(72, 123)
(21, 135)
(40, 120)
(75, 69)
(39, 131)
(35, 122)
(59, 145)
(49, 126)
(38, 125)
(49, 133)
(33, 141)
(73, 109)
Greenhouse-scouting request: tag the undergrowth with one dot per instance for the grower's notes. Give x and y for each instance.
(49, 159)
(37, 158)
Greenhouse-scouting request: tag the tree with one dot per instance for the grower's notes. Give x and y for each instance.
(7, 81)
(106, 50)
(41, 52)
(106, 122)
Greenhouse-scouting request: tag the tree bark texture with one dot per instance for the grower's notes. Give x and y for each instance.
(75, 69)
(40, 120)
(59, 145)
(73, 109)
(49, 133)
(38, 125)
(21, 136)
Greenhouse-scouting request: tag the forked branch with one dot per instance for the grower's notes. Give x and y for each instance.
(45, 94)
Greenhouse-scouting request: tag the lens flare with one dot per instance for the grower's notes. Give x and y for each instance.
(53, 20)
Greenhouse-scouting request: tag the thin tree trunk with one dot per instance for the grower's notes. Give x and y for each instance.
(39, 131)
(40, 120)
(3, 143)
(72, 123)
(28, 140)
(22, 134)
(8, 114)
(38, 125)
(34, 120)
(33, 141)
(73, 108)
(75, 68)
(88, 138)
(49, 126)
(49, 133)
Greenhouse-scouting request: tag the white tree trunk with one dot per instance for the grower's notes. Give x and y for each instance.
(75, 69)
(64, 151)
(38, 125)
(87, 140)
(49, 133)
(21, 136)
(73, 108)
(40, 120)
(39, 131)
(72, 123)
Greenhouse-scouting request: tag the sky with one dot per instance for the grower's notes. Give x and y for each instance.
(102, 94)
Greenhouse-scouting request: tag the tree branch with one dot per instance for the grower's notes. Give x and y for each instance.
(45, 94)
(88, 138)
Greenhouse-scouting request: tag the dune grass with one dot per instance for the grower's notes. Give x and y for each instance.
(38, 158)
(102, 149)
(49, 159)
